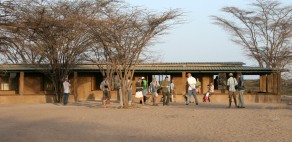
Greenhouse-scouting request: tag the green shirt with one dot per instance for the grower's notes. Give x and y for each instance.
(198, 84)
(144, 84)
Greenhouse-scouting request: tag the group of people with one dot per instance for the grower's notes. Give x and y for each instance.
(232, 83)
(167, 88)
(208, 93)
(233, 86)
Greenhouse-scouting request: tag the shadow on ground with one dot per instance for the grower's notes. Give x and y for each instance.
(202, 105)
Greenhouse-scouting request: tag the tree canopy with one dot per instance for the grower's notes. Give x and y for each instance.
(58, 34)
(264, 31)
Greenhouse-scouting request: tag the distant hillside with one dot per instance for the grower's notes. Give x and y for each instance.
(287, 87)
(253, 86)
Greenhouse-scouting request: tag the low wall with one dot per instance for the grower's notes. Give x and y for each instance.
(223, 98)
(30, 99)
(4, 92)
(97, 95)
(22, 99)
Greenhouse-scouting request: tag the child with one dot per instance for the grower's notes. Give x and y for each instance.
(209, 92)
(206, 97)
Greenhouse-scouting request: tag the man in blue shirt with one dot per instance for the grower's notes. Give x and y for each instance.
(241, 89)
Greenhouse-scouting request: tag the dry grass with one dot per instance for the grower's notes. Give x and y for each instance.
(253, 86)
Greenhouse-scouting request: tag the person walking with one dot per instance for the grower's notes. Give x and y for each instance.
(154, 85)
(105, 88)
(241, 89)
(231, 83)
(66, 86)
(191, 88)
(165, 91)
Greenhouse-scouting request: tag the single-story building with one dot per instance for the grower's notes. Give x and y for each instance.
(26, 84)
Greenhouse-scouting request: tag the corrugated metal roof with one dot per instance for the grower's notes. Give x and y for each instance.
(203, 69)
(161, 67)
(196, 63)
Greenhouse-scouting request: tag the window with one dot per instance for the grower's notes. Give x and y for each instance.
(9, 81)
(48, 84)
(96, 80)
(160, 78)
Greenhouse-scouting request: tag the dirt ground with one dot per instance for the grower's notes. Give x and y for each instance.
(89, 122)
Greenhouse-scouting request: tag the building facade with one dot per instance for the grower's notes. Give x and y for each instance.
(26, 84)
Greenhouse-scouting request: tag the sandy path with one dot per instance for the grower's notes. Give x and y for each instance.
(89, 122)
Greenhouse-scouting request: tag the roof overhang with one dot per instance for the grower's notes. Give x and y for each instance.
(197, 67)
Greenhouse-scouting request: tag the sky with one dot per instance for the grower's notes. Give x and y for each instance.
(198, 39)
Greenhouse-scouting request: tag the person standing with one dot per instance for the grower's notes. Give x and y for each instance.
(216, 83)
(154, 85)
(211, 88)
(105, 88)
(191, 88)
(165, 91)
(171, 89)
(198, 86)
(66, 86)
(144, 91)
(241, 89)
(231, 83)
(138, 93)
(129, 86)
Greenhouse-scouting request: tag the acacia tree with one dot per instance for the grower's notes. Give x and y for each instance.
(264, 31)
(50, 32)
(13, 43)
(96, 55)
(124, 33)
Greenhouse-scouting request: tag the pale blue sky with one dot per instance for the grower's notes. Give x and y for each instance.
(198, 40)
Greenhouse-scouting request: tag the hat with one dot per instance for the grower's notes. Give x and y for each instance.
(230, 74)
(143, 78)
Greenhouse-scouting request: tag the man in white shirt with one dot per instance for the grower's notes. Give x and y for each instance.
(191, 88)
(231, 83)
(171, 90)
(66, 86)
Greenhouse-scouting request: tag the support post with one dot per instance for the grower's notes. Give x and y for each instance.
(263, 80)
(183, 82)
(75, 86)
(21, 83)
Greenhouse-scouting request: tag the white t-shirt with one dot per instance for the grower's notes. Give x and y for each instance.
(232, 82)
(66, 86)
(191, 82)
(207, 94)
